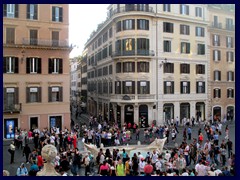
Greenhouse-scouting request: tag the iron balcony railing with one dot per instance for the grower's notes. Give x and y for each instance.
(13, 108)
(227, 27)
(134, 53)
(45, 42)
(144, 8)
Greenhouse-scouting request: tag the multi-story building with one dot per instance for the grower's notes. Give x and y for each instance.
(36, 67)
(84, 76)
(75, 81)
(149, 62)
(222, 61)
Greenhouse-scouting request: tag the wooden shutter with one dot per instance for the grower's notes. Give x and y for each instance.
(138, 87)
(172, 87)
(10, 35)
(60, 94)
(35, 16)
(189, 88)
(4, 10)
(187, 7)
(188, 48)
(49, 94)
(197, 87)
(60, 66)
(28, 11)
(50, 66)
(203, 83)
(53, 13)
(39, 71)
(181, 8)
(133, 66)
(133, 87)
(133, 23)
(214, 93)
(219, 93)
(16, 65)
(4, 64)
(16, 11)
(39, 94)
(55, 38)
(181, 84)
(61, 14)
(219, 73)
(27, 94)
(148, 87)
(16, 94)
(123, 87)
(28, 65)
(165, 87)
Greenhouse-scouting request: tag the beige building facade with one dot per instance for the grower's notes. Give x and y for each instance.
(222, 61)
(149, 62)
(36, 68)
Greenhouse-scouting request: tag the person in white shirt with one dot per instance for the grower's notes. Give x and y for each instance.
(217, 172)
(140, 156)
(141, 166)
(185, 173)
(167, 156)
(207, 144)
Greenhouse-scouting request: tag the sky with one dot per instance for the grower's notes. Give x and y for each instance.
(83, 19)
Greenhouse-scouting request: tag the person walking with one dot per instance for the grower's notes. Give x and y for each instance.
(11, 150)
(22, 170)
(189, 131)
(26, 152)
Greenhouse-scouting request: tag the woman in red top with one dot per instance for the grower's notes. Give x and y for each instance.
(200, 138)
(74, 140)
(104, 169)
(39, 161)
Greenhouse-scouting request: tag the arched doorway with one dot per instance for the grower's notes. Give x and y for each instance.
(129, 114)
(143, 116)
(217, 113)
(230, 113)
(184, 111)
(200, 111)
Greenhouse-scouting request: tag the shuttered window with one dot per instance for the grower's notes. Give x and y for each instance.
(33, 94)
(55, 94)
(10, 35)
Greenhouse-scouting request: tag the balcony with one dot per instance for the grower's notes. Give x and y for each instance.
(146, 96)
(217, 25)
(13, 108)
(134, 53)
(230, 27)
(45, 42)
(132, 8)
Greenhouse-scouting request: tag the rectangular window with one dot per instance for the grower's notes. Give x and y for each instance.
(110, 50)
(168, 67)
(200, 32)
(99, 41)
(143, 46)
(11, 98)
(201, 49)
(117, 87)
(32, 11)
(128, 87)
(200, 87)
(142, 24)
(229, 42)
(104, 53)
(185, 87)
(168, 27)
(230, 93)
(110, 33)
(128, 46)
(118, 67)
(143, 67)
(184, 29)
(185, 48)
(229, 24)
(128, 67)
(184, 9)
(230, 56)
(185, 68)
(129, 24)
(119, 26)
(57, 14)
(33, 65)
(198, 12)
(129, 7)
(33, 37)
(110, 69)
(55, 94)
(200, 69)
(10, 10)
(10, 35)
(143, 87)
(55, 38)
(10, 65)
(105, 37)
(167, 7)
(168, 87)
(55, 66)
(216, 55)
(216, 40)
(230, 76)
(167, 46)
(217, 75)
(118, 47)
(217, 93)
(33, 94)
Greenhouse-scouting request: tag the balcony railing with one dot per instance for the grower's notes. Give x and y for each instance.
(230, 27)
(146, 96)
(217, 25)
(13, 108)
(134, 53)
(45, 42)
(227, 27)
(144, 8)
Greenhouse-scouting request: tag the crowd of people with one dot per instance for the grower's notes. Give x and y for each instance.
(203, 155)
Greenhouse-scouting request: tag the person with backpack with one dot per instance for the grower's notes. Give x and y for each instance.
(22, 170)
